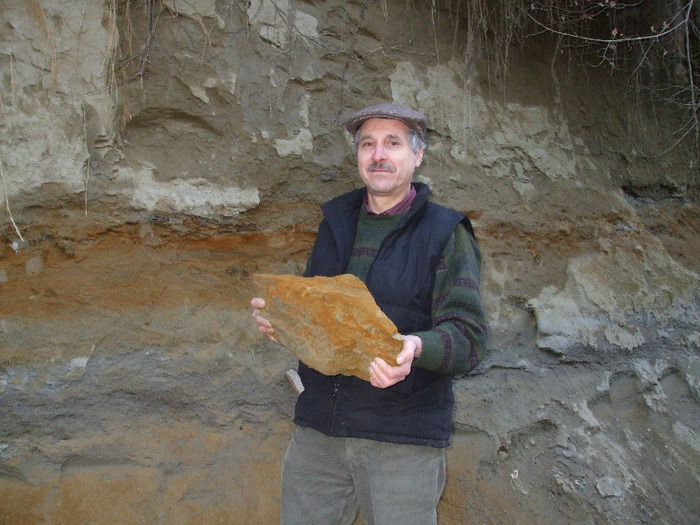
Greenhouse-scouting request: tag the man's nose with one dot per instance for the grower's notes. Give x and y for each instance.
(379, 152)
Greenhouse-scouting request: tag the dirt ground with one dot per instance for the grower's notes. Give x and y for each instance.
(136, 383)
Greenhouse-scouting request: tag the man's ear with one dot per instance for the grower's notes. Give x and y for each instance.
(419, 157)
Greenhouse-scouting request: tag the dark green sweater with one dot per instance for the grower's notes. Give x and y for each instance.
(450, 347)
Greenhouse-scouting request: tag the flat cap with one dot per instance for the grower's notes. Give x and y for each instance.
(415, 120)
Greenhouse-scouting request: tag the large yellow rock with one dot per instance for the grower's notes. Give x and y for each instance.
(332, 324)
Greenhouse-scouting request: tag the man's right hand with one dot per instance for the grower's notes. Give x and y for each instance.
(264, 326)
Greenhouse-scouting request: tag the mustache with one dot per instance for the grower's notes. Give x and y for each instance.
(384, 166)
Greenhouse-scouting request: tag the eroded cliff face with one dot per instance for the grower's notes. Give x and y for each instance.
(154, 157)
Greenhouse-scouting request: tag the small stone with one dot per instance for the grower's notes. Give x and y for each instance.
(34, 265)
(332, 324)
(609, 487)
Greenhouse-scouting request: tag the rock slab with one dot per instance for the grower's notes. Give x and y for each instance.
(332, 324)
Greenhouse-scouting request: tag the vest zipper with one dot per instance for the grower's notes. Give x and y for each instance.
(334, 396)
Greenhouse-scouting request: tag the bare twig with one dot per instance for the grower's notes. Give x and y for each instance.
(660, 59)
(51, 44)
(7, 204)
(87, 172)
(112, 49)
(77, 47)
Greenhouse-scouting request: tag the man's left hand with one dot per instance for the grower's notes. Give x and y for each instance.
(382, 375)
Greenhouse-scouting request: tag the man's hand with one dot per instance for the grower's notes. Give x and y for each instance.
(383, 375)
(264, 325)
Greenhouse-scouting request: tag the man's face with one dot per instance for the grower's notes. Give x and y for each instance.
(385, 160)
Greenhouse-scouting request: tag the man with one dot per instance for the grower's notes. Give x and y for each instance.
(380, 445)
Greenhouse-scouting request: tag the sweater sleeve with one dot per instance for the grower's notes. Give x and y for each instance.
(457, 341)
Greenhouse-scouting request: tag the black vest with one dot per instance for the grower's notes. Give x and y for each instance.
(417, 410)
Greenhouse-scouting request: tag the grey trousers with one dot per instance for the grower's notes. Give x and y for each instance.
(325, 480)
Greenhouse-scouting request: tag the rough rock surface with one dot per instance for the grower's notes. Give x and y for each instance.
(156, 154)
(332, 324)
